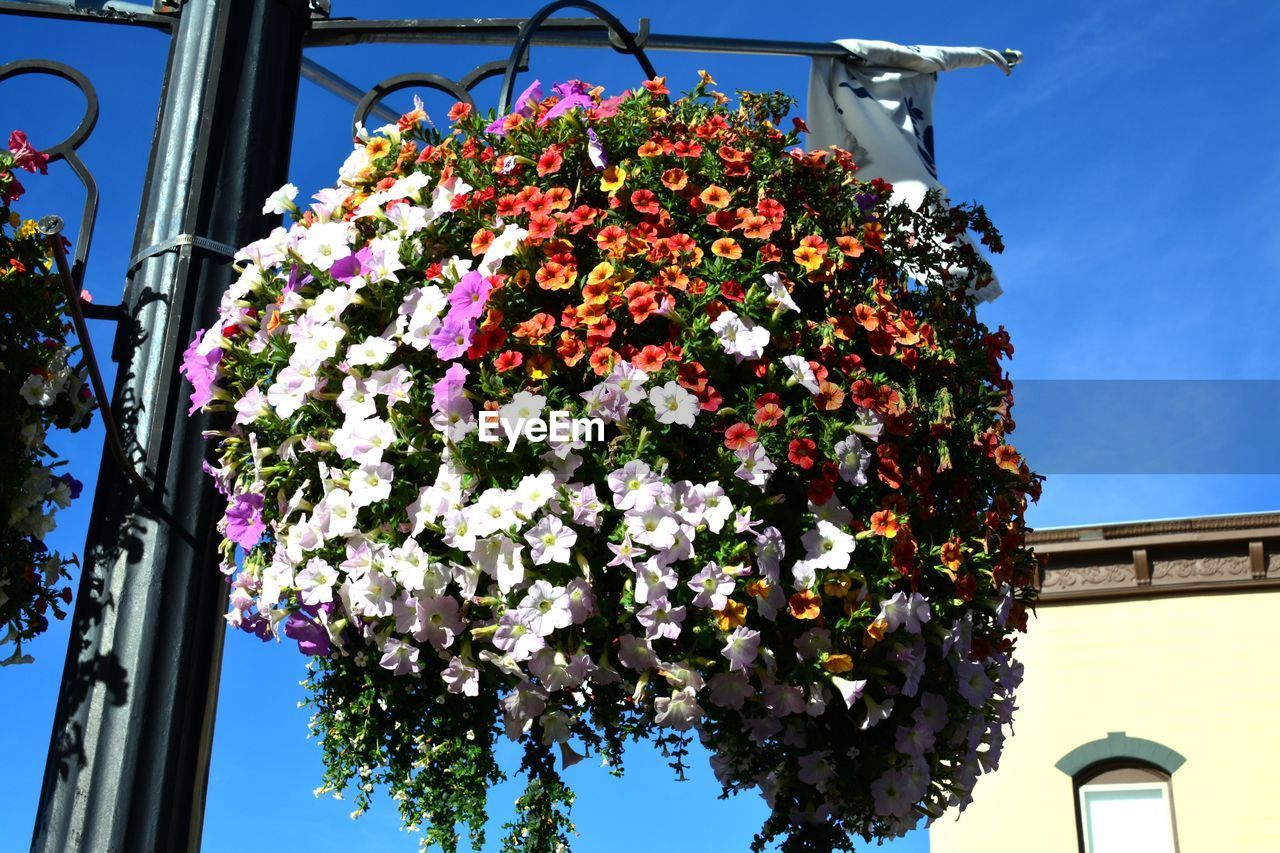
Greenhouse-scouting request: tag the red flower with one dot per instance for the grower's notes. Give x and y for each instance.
(550, 162)
(732, 290)
(650, 359)
(820, 491)
(770, 414)
(692, 376)
(739, 436)
(644, 201)
(802, 453)
(508, 360)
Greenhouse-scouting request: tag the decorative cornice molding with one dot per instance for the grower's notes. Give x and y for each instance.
(1098, 533)
(1173, 557)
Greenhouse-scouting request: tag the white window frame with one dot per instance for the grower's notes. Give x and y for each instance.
(1166, 792)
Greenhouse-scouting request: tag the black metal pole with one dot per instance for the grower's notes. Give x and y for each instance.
(128, 760)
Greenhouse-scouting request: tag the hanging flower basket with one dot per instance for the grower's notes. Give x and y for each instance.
(621, 418)
(42, 390)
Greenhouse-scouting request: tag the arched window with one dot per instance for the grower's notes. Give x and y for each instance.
(1123, 791)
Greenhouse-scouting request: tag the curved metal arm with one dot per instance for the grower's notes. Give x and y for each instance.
(66, 150)
(460, 89)
(530, 26)
(51, 229)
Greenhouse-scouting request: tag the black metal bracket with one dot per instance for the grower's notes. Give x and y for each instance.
(66, 149)
(51, 229)
(620, 38)
(519, 53)
(460, 89)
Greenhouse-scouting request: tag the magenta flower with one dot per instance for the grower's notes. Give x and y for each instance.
(25, 155)
(469, 296)
(524, 106)
(453, 337)
(201, 370)
(564, 105)
(244, 520)
(345, 269)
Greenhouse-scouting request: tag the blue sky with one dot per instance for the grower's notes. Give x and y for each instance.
(1129, 162)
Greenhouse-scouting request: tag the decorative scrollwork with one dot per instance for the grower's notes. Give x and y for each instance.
(623, 40)
(66, 149)
(459, 89)
(517, 62)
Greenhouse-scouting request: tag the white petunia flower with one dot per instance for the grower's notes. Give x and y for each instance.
(828, 547)
(281, 201)
(673, 404)
(801, 372)
(778, 292)
(739, 336)
(550, 541)
(853, 460)
(755, 466)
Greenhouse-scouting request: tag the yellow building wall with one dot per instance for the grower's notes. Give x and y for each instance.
(1199, 674)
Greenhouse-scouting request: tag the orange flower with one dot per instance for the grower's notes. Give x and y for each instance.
(377, 147)
(650, 149)
(642, 307)
(734, 615)
(805, 605)
(657, 86)
(727, 247)
(603, 360)
(875, 632)
(673, 277)
(459, 110)
(952, 556)
(650, 359)
(757, 227)
(769, 415)
(837, 664)
(555, 276)
(481, 241)
(675, 179)
(541, 227)
(808, 257)
(850, 247)
(536, 328)
(1007, 457)
(829, 397)
(714, 196)
(612, 240)
(558, 198)
(550, 162)
(885, 523)
(838, 586)
(410, 119)
(570, 349)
